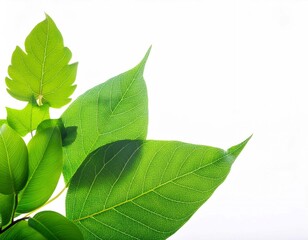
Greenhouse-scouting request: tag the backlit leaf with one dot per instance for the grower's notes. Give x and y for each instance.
(21, 231)
(13, 161)
(43, 70)
(7, 204)
(111, 111)
(144, 189)
(45, 167)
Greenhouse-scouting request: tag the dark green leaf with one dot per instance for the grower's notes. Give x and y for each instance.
(21, 231)
(111, 111)
(42, 71)
(27, 119)
(7, 204)
(54, 226)
(13, 161)
(45, 167)
(144, 189)
(68, 134)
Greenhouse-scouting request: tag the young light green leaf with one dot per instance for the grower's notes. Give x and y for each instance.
(21, 231)
(45, 167)
(54, 226)
(13, 161)
(144, 189)
(7, 204)
(111, 111)
(27, 119)
(42, 71)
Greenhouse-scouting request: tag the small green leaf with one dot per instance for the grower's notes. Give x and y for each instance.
(21, 231)
(68, 134)
(27, 119)
(13, 161)
(45, 167)
(54, 226)
(144, 189)
(7, 204)
(111, 111)
(42, 71)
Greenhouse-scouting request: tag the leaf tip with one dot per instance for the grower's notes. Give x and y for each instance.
(141, 65)
(234, 151)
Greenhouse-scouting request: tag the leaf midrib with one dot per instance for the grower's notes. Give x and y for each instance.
(153, 189)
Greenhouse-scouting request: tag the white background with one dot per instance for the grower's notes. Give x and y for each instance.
(218, 71)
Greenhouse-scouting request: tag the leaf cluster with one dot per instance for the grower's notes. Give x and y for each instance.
(120, 185)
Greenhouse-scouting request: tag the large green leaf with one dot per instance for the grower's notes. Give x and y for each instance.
(7, 205)
(54, 226)
(42, 71)
(111, 111)
(21, 231)
(13, 161)
(45, 167)
(144, 189)
(27, 119)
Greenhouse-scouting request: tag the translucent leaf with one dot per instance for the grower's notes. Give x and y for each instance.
(144, 189)
(43, 70)
(13, 161)
(111, 111)
(7, 204)
(45, 167)
(54, 226)
(21, 231)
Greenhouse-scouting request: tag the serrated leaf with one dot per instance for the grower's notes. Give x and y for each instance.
(111, 111)
(7, 204)
(21, 231)
(13, 161)
(45, 167)
(42, 71)
(54, 226)
(26, 120)
(144, 189)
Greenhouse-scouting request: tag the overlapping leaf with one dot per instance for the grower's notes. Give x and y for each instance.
(7, 204)
(45, 167)
(53, 226)
(42, 71)
(21, 231)
(13, 161)
(144, 189)
(114, 110)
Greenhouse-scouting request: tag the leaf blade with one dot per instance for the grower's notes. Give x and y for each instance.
(45, 166)
(146, 189)
(117, 110)
(7, 204)
(43, 70)
(21, 231)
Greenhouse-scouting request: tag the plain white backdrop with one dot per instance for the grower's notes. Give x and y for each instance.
(218, 72)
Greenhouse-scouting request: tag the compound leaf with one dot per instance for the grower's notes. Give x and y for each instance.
(111, 111)
(42, 71)
(54, 226)
(144, 189)
(13, 161)
(45, 167)
(21, 231)
(26, 120)
(7, 204)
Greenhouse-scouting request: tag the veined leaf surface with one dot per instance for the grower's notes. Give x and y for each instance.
(13, 161)
(21, 231)
(54, 226)
(111, 111)
(144, 189)
(7, 204)
(45, 167)
(26, 120)
(42, 71)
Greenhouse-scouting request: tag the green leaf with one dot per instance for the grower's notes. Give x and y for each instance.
(54, 226)
(144, 189)
(42, 71)
(68, 134)
(27, 119)
(7, 204)
(2, 121)
(111, 111)
(13, 161)
(21, 231)
(45, 167)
